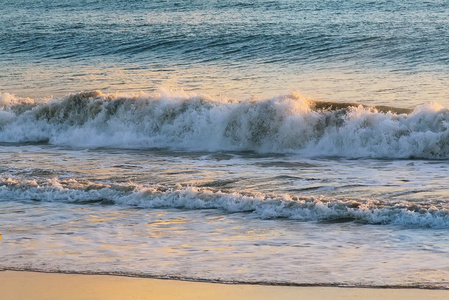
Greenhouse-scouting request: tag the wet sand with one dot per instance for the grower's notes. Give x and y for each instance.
(34, 285)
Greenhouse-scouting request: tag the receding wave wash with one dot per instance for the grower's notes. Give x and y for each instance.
(283, 124)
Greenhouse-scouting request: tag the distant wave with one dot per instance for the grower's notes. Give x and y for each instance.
(284, 124)
(267, 206)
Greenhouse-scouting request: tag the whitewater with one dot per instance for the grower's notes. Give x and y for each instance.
(178, 185)
(284, 124)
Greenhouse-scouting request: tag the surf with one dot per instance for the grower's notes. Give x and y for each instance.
(261, 205)
(283, 124)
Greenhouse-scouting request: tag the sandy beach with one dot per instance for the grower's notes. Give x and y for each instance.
(34, 285)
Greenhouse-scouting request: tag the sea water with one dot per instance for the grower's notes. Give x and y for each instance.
(277, 142)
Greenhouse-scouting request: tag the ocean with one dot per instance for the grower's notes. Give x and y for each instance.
(280, 142)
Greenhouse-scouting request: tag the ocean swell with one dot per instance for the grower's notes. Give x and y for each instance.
(284, 124)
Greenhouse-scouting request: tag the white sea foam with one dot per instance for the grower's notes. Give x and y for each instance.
(261, 205)
(284, 124)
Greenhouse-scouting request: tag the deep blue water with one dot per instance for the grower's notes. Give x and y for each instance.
(274, 47)
(400, 35)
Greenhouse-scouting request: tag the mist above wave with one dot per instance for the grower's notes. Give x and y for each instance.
(284, 124)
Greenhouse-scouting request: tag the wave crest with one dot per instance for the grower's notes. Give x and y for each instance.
(267, 206)
(284, 124)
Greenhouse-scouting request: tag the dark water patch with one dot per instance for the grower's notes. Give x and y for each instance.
(306, 189)
(127, 166)
(322, 105)
(65, 233)
(287, 165)
(338, 220)
(220, 156)
(99, 201)
(288, 177)
(220, 183)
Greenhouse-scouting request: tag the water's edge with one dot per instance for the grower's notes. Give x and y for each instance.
(219, 281)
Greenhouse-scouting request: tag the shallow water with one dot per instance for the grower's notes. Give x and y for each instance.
(238, 217)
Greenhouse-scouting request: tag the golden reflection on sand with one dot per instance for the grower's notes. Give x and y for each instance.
(37, 286)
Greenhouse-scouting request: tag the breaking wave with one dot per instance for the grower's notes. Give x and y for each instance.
(284, 124)
(266, 206)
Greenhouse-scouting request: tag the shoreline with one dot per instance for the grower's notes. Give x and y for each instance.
(224, 282)
(40, 285)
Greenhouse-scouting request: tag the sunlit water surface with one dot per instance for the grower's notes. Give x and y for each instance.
(69, 223)
(201, 160)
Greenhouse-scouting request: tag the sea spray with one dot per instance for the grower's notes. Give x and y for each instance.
(284, 124)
